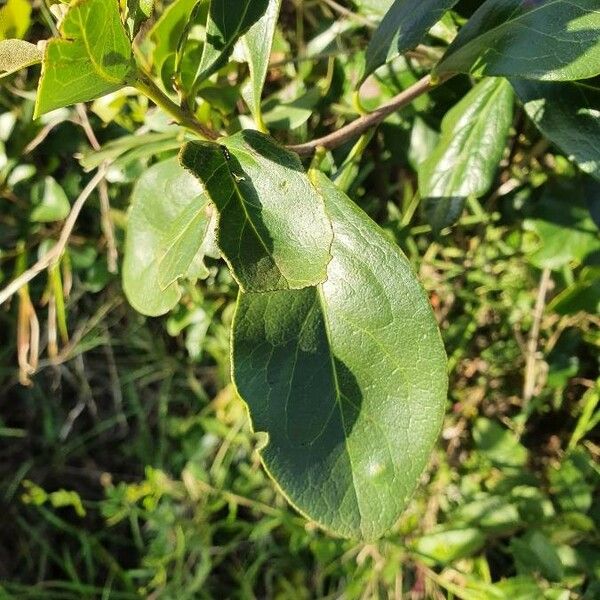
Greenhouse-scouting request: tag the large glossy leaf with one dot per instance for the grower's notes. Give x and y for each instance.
(273, 230)
(16, 55)
(258, 42)
(91, 58)
(567, 114)
(402, 28)
(347, 379)
(471, 145)
(535, 39)
(168, 222)
(225, 24)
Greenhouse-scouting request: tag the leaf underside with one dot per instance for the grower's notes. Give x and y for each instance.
(168, 222)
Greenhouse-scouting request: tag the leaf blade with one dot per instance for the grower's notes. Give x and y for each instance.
(91, 58)
(273, 230)
(223, 28)
(258, 42)
(403, 27)
(554, 40)
(465, 160)
(568, 114)
(166, 228)
(16, 55)
(326, 375)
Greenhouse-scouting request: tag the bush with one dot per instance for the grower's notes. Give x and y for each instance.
(234, 264)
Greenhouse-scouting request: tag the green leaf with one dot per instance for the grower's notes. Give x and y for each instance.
(471, 145)
(138, 11)
(224, 27)
(534, 552)
(50, 202)
(16, 55)
(563, 227)
(403, 27)
(498, 444)
(168, 222)
(448, 545)
(569, 482)
(347, 379)
(568, 114)
(91, 58)
(582, 295)
(273, 230)
(258, 43)
(554, 40)
(15, 19)
(168, 29)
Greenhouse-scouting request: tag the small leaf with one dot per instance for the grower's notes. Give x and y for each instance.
(554, 40)
(563, 227)
(449, 545)
(347, 379)
(224, 27)
(258, 42)
(16, 55)
(500, 445)
(91, 58)
(167, 225)
(535, 553)
(568, 114)
(273, 230)
(51, 202)
(15, 19)
(471, 145)
(168, 29)
(403, 27)
(138, 11)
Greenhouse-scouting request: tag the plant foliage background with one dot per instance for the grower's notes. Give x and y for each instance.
(127, 464)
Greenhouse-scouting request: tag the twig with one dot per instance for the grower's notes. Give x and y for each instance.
(360, 125)
(54, 254)
(533, 339)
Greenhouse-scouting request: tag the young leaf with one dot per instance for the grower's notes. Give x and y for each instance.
(554, 40)
(402, 28)
(258, 42)
(465, 160)
(16, 55)
(569, 115)
(347, 379)
(50, 202)
(168, 222)
(168, 29)
(91, 58)
(138, 11)
(273, 230)
(224, 27)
